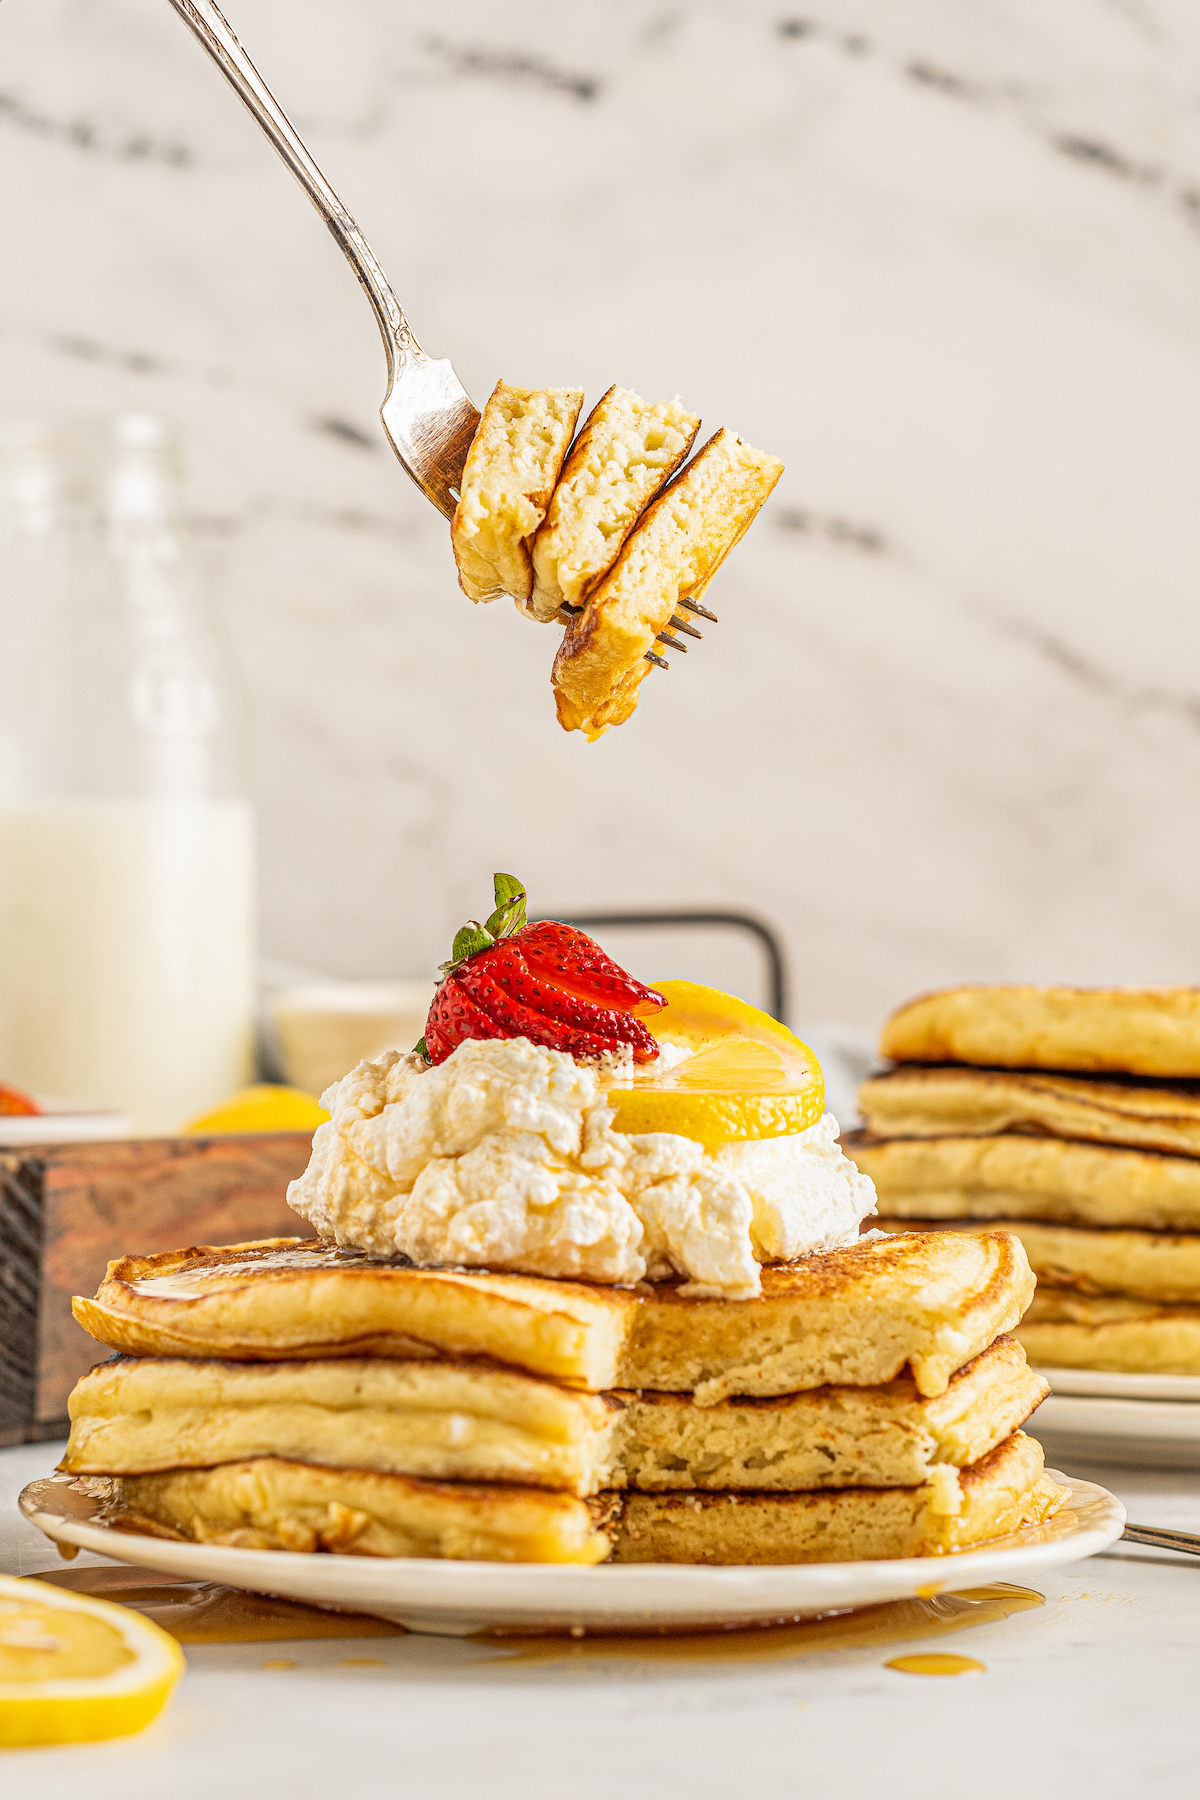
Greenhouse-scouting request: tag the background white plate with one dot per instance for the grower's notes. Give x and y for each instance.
(1109, 1385)
(1155, 1434)
(454, 1598)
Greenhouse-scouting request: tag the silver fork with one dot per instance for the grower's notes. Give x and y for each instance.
(427, 414)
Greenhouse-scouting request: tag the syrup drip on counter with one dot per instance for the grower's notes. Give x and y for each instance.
(867, 1627)
(207, 1612)
(936, 1665)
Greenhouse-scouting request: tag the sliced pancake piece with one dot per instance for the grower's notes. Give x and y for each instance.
(852, 1317)
(1130, 1031)
(273, 1504)
(507, 481)
(678, 545)
(829, 1437)
(952, 1101)
(626, 450)
(471, 1422)
(1015, 1177)
(448, 1421)
(1003, 1492)
(1150, 1265)
(1063, 1330)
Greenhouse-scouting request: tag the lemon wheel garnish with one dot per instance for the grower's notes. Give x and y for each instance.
(747, 1076)
(74, 1670)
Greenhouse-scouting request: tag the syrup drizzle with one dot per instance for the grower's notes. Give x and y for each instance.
(867, 1627)
(207, 1612)
(935, 1664)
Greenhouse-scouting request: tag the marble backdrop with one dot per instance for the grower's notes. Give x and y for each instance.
(942, 256)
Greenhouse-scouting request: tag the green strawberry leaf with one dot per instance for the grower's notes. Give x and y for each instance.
(419, 1049)
(469, 940)
(509, 916)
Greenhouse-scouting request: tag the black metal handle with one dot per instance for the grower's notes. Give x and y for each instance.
(768, 940)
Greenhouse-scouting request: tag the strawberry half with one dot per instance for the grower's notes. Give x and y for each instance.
(547, 982)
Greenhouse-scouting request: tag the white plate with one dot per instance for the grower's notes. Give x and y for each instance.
(1107, 1384)
(1140, 1434)
(454, 1598)
(62, 1122)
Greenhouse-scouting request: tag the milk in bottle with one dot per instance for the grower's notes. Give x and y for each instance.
(126, 836)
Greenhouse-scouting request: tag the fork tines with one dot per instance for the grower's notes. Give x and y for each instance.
(675, 623)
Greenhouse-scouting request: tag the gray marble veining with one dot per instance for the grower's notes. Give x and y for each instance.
(949, 725)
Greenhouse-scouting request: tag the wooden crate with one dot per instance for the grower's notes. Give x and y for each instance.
(67, 1209)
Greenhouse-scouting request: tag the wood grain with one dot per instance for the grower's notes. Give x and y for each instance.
(67, 1210)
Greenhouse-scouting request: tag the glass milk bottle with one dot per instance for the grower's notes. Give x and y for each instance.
(126, 834)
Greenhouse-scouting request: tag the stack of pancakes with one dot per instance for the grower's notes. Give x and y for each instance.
(291, 1395)
(1070, 1117)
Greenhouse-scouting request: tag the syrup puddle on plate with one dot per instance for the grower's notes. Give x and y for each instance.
(206, 1612)
(867, 1627)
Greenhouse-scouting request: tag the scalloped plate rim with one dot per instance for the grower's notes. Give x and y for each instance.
(455, 1598)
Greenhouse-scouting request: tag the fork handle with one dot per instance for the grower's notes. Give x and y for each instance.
(206, 23)
(1187, 1541)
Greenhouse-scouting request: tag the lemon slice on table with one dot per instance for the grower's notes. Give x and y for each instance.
(746, 1076)
(264, 1107)
(74, 1669)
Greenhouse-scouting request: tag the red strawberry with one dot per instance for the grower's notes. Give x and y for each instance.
(453, 1017)
(500, 982)
(549, 983)
(571, 959)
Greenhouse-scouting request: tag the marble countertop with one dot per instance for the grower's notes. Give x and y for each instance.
(943, 260)
(1092, 1693)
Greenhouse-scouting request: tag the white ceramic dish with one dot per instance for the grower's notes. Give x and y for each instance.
(62, 1122)
(1107, 1384)
(454, 1598)
(1134, 1434)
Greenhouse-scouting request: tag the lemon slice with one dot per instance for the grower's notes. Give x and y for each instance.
(74, 1669)
(263, 1108)
(747, 1076)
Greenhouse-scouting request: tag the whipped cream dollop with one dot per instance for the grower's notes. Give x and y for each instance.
(504, 1157)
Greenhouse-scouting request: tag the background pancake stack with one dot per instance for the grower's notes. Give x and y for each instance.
(1070, 1117)
(292, 1396)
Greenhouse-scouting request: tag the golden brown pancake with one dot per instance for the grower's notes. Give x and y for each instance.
(1007, 1490)
(478, 1422)
(1130, 1031)
(507, 481)
(1150, 1265)
(1063, 1330)
(676, 548)
(958, 1101)
(853, 1317)
(625, 452)
(273, 1504)
(1015, 1177)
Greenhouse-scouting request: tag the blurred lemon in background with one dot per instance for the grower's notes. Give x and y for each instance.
(264, 1107)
